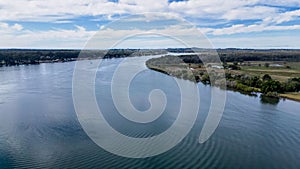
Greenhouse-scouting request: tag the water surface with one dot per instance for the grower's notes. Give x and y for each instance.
(39, 128)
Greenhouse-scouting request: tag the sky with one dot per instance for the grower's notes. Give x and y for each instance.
(225, 23)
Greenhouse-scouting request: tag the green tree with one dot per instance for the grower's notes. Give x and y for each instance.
(271, 86)
(266, 77)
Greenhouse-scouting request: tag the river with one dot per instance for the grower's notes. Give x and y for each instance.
(39, 127)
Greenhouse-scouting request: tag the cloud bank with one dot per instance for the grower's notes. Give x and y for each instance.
(69, 23)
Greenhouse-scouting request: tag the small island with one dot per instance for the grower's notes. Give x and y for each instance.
(274, 73)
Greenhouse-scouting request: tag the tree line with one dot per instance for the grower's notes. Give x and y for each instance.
(10, 57)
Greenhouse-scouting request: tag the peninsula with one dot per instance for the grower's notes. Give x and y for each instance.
(274, 73)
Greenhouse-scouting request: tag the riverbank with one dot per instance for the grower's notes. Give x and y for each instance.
(292, 96)
(246, 78)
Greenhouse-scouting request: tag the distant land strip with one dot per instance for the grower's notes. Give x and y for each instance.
(11, 57)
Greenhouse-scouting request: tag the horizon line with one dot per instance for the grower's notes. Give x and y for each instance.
(150, 48)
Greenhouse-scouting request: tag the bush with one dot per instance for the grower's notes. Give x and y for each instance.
(205, 79)
(271, 86)
(266, 77)
(245, 88)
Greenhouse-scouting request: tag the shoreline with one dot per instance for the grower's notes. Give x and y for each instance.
(294, 96)
(291, 96)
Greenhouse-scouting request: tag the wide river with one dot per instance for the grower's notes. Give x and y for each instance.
(39, 127)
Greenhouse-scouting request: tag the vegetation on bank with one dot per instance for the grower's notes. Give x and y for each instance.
(272, 72)
(237, 76)
(12, 57)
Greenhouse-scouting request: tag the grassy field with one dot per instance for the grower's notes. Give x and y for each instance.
(292, 96)
(287, 71)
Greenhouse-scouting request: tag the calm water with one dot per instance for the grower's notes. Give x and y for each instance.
(39, 128)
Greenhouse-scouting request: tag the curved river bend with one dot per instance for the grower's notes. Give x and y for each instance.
(39, 128)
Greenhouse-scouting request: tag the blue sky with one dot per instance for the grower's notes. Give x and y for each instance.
(71, 23)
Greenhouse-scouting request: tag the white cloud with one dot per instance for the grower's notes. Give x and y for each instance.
(17, 27)
(209, 9)
(13, 36)
(53, 10)
(80, 28)
(241, 28)
(6, 28)
(283, 17)
(244, 13)
(3, 26)
(267, 12)
(104, 38)
(17, 37)
(56, 10)
(286, 3)
(262, 42)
